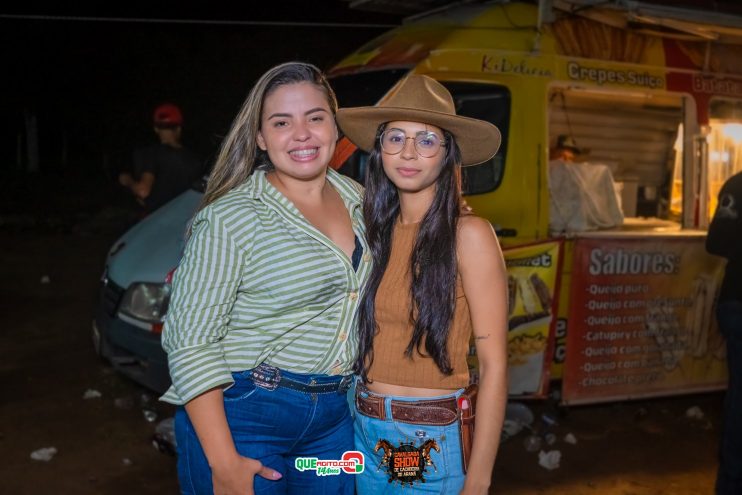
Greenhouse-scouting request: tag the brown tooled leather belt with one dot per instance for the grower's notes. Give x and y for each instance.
(439, 412)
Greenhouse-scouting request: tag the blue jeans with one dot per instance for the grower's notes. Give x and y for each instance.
(729, 477)
(446, 476)
(275, 427)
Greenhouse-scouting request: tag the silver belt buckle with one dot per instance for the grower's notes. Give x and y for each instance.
(266, 377)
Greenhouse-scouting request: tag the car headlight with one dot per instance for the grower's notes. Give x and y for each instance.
(146, 301)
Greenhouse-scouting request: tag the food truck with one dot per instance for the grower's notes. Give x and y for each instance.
(611, 290)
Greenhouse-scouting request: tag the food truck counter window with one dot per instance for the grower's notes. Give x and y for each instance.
(724, 146)
(626, 154)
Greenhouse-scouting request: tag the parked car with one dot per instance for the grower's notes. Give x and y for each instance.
(135, 291)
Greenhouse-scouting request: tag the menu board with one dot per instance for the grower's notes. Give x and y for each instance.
(533, 277)
(641, 319)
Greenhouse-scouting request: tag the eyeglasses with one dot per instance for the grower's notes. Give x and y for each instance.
(427, 143)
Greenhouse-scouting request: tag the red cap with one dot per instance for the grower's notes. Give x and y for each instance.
(167, 114)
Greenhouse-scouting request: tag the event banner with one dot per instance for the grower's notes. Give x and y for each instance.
(641, 320)
(533, 276)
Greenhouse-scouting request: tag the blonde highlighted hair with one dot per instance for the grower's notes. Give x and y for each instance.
(239, 153)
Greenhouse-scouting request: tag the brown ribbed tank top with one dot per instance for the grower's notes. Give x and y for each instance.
(390, 365)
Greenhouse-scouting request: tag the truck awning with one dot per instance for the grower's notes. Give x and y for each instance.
(694, 24)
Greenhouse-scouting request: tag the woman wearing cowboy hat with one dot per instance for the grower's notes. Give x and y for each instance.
(438, 278)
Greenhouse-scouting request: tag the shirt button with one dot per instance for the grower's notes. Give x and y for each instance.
(353, 296)
(366, 258)
(343, 336)
(335, 371)
(355, 223)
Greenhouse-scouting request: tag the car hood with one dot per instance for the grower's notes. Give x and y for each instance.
(154, 246)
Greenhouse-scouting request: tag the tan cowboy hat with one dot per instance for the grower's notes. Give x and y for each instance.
(419, 98)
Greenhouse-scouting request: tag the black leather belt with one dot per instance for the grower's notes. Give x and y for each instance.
(270, 378)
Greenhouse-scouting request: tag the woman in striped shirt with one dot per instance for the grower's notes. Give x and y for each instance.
(260, 329)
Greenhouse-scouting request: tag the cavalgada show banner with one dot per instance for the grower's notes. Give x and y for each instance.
(533, 272)
(641, 320)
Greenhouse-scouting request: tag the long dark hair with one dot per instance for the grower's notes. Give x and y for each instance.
(432, 262)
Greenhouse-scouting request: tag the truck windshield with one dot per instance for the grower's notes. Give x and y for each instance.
(485, 102)
(365, 88)
(360, 90)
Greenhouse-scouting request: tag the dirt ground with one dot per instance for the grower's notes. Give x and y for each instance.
(104, 445)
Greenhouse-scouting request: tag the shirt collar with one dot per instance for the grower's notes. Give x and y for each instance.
(257, 184)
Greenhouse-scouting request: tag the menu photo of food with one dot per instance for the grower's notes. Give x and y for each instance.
(530, 315)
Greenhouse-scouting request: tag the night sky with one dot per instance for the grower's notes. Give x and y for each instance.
(92, 84)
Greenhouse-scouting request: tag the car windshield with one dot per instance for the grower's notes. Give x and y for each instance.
(200, 184)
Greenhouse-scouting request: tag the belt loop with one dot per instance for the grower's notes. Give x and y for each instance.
(387, 408)
(345, 383)
(312, 383)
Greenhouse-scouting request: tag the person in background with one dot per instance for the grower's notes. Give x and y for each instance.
(261, 329)
(162, 170)
(438, 278)
(725, 239)
(566, 149)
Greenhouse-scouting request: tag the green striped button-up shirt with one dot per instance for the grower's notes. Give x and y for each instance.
(259, 283)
